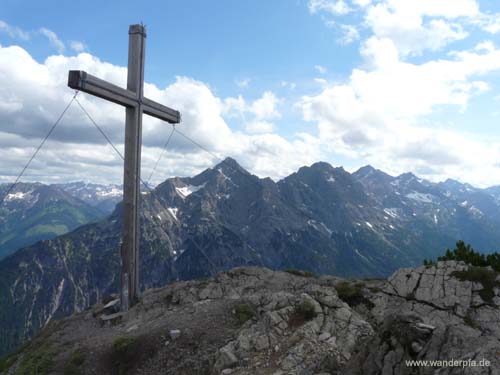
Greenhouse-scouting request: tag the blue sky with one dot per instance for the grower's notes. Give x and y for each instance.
(403, 85)
(217, 42)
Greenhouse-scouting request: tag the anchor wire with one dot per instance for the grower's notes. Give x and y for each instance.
(198, 247)
(162, 152)
(49, 133)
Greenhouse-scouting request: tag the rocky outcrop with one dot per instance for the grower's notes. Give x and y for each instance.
(257, 321)
(445, 312)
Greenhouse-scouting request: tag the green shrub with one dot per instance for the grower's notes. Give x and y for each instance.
(470, 321)
(374, 289)
(478, 272)
(300, 273)
(7, 362)
(411, 296)
(352, 293)
(75, 360)
(346, 290)
(244, 312)
(429, 263)
(302, 313)
(467, 254)
(123, 353)
(39, 361)
(307, 310)
(481, 275)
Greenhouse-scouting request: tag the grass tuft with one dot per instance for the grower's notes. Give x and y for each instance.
(301, 273)
(39, 361)
(75, 361)
(352, 293)
(244, 312)
(303, 313)
(123, 353)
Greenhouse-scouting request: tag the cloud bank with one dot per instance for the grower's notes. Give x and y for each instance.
(30, 103)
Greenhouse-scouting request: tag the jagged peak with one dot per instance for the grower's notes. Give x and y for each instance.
(324, 166)
(451, 182)
(408, 176)
(320, 166)
(230, 166)
(228, 161)
(369, 170)
(366, 168)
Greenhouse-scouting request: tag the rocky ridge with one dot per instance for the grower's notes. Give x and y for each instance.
(253, 320)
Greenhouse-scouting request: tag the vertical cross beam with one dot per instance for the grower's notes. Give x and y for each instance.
(136, 104)
(131, 178)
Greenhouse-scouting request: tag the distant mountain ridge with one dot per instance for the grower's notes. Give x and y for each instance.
(33, 211)
(101, 196)
(321, 219)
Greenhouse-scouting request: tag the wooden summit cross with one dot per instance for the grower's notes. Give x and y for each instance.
(136, 104)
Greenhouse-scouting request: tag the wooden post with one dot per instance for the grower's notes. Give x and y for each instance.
(132, 173)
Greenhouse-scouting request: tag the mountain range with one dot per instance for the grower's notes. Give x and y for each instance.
(100, 196)
(31, 212)
(320, 219)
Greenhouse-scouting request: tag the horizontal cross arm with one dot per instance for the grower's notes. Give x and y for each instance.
(82, 81)
(160, 111)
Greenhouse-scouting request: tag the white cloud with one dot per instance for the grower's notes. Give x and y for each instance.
(264, 108)
(362, 3)
(349, 34)
(413, 27)
(13, 32)
(381, 113)
(376, 115)
(243, 83)
(412, 10)
(321, 81)
(77, 46)
(234, 107)
(30, 103)
(20, 34)
(259, 127)
(53, 39)
(489, 22)
(337, 7)
(290, 85)
(320, 69)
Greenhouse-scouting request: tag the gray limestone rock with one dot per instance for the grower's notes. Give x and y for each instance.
(300, 326)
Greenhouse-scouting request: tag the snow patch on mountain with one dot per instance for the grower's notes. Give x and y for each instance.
(227, 178)
(188, 190)
(475, 211)
(18, 196)
(392, 212)
(173, 211)
(320, 227)
(362, 256)
(420, 197)
(113, 192)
